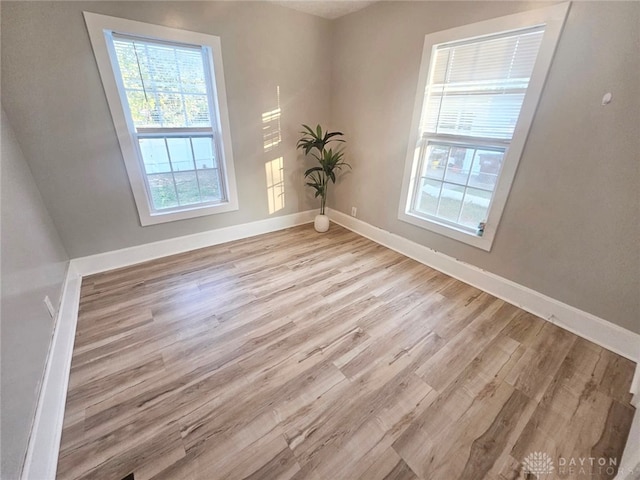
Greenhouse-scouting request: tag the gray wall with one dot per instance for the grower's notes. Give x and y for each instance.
(570, 228)
(53, 95)
(33, 265)
(571, 225)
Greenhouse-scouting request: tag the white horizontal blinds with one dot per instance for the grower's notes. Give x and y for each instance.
(476, 87)
(164, 83)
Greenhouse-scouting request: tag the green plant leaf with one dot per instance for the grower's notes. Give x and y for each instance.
(330, 161)
(311, 170)
(333, 134)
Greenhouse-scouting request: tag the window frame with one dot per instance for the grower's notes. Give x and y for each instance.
(553, 18)
(100, 28)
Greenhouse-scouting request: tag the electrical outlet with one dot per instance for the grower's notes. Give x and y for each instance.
(47, 302)
(354, 211)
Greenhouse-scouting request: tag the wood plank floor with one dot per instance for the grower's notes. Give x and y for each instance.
(296, 355)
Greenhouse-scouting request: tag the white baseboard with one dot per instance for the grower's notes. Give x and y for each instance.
(44, 442)
(125, 257)
(584, 324)
(630, 463)
(635, 389)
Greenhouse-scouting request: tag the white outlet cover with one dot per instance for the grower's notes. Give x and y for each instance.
(47, 302)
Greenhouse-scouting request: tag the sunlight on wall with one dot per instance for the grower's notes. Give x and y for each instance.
(271, 126)
(275, 184)
(274, 169)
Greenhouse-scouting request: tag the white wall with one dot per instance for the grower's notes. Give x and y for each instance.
(571, 225)
(33, 265)
(53, 94)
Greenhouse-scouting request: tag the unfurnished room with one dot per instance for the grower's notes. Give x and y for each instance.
(320, 240)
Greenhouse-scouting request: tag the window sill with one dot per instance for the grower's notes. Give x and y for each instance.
(483, 243)
(148, 218)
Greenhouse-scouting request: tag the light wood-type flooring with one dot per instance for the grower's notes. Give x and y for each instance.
(297, 355)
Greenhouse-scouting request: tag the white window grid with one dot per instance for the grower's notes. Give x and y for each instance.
(217, 169)
(450, 142)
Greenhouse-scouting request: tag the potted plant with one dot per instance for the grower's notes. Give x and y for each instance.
(330, 161)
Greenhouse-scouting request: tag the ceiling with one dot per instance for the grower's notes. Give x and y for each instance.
(326, 8)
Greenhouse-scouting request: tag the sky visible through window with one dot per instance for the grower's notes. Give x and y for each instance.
(165, 85)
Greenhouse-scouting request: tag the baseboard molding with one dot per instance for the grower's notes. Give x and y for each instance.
(584, 324)
(630, 463)
(635, 388)
(125, 257)
(44, 442)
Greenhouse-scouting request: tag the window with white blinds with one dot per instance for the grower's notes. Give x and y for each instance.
(468, 116)
(477, 87)
(165, 84)
(168, 85)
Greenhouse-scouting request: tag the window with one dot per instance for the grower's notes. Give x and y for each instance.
(477, 93)
(165, 89)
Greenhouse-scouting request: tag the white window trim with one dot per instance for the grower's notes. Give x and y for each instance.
(553, 18)
(96, 26)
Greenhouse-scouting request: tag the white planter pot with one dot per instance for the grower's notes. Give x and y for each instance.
(321, 223)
